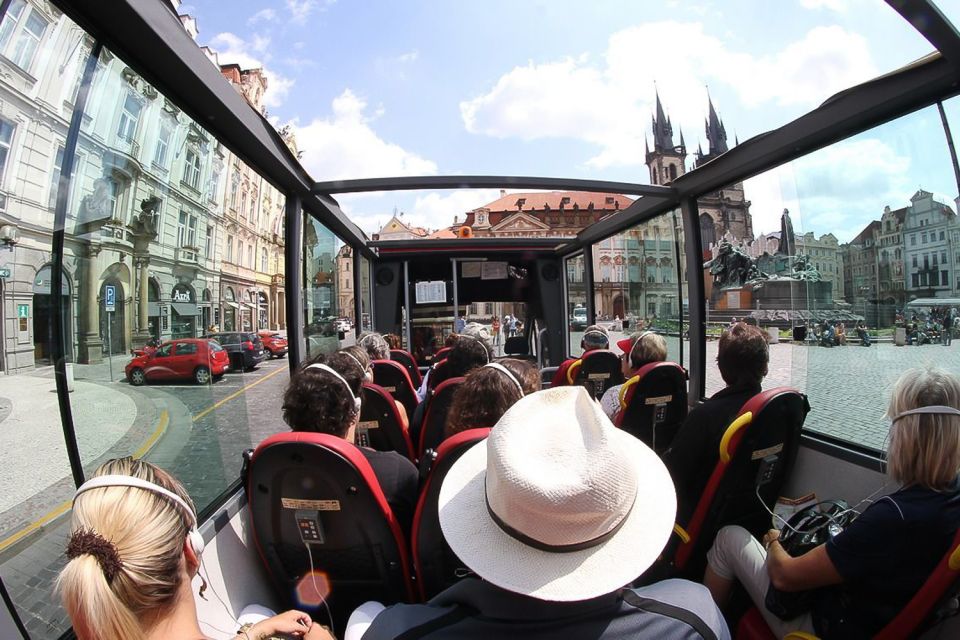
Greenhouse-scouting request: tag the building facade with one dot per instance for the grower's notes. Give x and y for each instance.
(553, 214)
(825, 255)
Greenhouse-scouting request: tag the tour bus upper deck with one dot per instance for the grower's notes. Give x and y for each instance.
(115, 50)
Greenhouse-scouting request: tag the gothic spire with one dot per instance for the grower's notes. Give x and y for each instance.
(716, 133)
(662, 129)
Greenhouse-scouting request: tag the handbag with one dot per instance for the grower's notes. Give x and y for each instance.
(806, 530)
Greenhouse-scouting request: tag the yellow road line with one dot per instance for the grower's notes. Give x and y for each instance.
(230, 397)
(159, 431)
(142, 451)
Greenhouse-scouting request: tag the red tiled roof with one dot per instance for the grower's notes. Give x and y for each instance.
(538, 201)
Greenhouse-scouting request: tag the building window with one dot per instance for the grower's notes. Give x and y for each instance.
(21, 32)
(263, 260)
(182, 229)
(916, 280)
(192, 232)
(191, 169)
(941, 235)
(229, 248)
(163, 143)
(250, 256)
(923, 238)
(234, 188)
(913, 240)
(943, 278)
(129, 117)
(55, 177)
(243, 205)
(208, 243)
(943, 257)
(915, 260)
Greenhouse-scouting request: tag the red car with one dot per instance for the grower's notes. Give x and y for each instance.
(274, 343)
(194, 358)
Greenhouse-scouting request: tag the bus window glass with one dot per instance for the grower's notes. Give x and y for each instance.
(640, 282)
(576, 298)
(850, 246)
(321, 310)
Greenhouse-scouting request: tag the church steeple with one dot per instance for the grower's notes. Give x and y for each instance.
(716, 133)
(665, 160)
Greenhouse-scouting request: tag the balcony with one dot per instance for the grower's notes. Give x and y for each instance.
(277, 280)
(187, 255)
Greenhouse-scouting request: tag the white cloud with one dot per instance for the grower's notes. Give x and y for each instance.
(608, 102)
(838, 189)
(264, 15)
(300, 10)
(232, 49)
(840, 6)
(345, 145)
(410, 56)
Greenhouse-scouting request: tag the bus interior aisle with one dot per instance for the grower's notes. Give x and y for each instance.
(196, 202)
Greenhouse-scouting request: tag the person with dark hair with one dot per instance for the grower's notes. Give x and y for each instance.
(639, 350)
(323, 397)
(360, 357)
(594, 337)
(742, 358)
(488, 391)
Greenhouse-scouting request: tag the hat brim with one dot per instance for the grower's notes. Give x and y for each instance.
(564, 577)
(625, 345)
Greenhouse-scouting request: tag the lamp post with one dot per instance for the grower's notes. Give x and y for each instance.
(863, 291)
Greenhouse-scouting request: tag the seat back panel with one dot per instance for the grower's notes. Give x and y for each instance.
(380, 425)
(656, 405)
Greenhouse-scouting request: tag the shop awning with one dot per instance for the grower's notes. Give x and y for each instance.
(185, 308)
(232, 304)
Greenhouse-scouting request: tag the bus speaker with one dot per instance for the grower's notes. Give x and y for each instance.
(384, 276)
(549, 272)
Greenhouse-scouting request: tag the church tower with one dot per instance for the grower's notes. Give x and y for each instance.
(716, 136)
(666, 161)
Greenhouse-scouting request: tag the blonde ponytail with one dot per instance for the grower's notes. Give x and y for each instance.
(126, 550)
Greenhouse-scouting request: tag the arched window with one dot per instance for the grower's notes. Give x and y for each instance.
(673, 172)
(708, 230)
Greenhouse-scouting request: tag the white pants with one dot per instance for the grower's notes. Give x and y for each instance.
(737, 555)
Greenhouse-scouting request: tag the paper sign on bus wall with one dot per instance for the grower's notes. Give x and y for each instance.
(316, 505)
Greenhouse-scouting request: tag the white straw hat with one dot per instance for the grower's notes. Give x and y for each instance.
(558, 504)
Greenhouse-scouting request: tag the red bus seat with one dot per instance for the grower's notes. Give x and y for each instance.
(438, 404)
(315, 486)
(597, 371)
(765, 433)
(409, 363)
(436, 566)
(653, 404)
(380, 425)
(393, 377)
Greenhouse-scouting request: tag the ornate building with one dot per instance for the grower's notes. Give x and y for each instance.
(825, 255)
(560, 214)
(724, 213)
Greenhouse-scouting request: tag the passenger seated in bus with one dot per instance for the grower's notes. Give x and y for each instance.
(488, 391)
(425, 384)
(132, 552)
(638, 350)
(393, 340)
(594, 337)
(555, 512)
(885, 555)
(324, 397)
(742, 357)
(376, 346)
(359, 355)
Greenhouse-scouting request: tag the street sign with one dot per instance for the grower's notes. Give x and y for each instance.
(110, 298)
(4, 272)
(23, 311)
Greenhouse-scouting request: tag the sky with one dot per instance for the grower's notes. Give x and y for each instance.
(565, 88)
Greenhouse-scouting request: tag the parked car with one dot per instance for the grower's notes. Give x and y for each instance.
(343, 324)
(245, 348)
(578, 321)
(273, 343)
(194, 358)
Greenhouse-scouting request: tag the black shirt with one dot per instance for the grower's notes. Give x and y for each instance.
(884, 556)
(399, 480)
(695, 450)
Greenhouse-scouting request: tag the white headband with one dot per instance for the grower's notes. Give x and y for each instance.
(597, 332)
(323, 367)
(478, 340)
(503, 369)
(352, 357)
(116, 480)
(637, 341)
(934, 409)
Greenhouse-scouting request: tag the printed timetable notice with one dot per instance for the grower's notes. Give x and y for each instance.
(434, 291)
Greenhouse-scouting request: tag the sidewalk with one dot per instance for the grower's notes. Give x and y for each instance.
(36, 479)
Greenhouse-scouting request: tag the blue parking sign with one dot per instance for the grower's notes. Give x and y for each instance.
(110, 298)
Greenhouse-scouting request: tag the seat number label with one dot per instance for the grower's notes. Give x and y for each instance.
(316, 505)
(658, 400)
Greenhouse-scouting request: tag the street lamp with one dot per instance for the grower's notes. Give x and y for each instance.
(863, 291)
